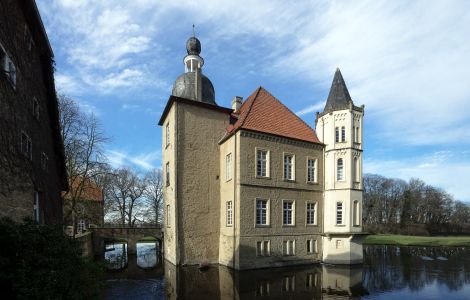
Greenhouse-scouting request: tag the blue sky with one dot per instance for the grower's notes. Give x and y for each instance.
(407, 61)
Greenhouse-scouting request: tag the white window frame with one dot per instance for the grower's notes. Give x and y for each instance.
(339, 213)
(286, 211)
(311, 213)
(228, 167)
(312, 246)
(266, 163)
(288, 283)
(263, 248)
(340, 171)
(311, 170)
(261, 209)
(343, 134)
(288, 167)
(288, 247)
(81, 225)
(229, 213)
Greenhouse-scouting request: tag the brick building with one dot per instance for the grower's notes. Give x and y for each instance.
(32, 165)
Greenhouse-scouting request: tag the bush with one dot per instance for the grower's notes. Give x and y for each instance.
(40, 262)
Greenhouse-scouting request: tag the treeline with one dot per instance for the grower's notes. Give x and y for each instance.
(395, 206)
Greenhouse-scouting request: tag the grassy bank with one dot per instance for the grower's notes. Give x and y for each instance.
(407, 240)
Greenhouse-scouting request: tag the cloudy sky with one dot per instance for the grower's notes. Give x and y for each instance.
(408, 62)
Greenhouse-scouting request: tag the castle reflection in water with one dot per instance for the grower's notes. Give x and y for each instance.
(303, 282)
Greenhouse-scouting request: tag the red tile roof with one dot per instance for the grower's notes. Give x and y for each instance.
(264, 113)
(90, 192)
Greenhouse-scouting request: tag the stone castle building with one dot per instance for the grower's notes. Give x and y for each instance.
(254, 186)
(32, 164)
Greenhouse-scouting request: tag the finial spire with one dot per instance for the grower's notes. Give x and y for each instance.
(194, 34)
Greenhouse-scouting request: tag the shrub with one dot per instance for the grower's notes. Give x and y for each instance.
(40, 262)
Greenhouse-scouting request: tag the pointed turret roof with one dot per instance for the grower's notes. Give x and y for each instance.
(262, 112)
(339, 97)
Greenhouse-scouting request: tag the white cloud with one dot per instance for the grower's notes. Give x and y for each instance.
(312, 108)
(143, 161)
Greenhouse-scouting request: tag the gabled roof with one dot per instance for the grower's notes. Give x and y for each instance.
(262, 112)
(339, 97)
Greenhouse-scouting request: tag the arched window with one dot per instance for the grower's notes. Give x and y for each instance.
(343, 134)
(340, 169)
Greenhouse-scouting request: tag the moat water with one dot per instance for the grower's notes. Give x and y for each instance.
(388, 272)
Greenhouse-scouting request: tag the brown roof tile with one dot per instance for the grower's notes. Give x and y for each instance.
(264, 113)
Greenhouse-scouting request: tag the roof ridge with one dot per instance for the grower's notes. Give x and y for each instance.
(251, 105)
(289, 109)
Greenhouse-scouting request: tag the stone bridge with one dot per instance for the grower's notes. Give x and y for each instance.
(131, 235)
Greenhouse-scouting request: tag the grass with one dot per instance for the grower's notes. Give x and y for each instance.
(148, 239)
(407, 240)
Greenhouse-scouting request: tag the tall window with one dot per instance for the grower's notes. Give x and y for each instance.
(288, 216)
(36, 207)
(339, 213)
(167, 134)
(261, 212)
(288, 166)
(356, 169)
(81, 225)
(228, 166)
(229, 213)
(339, 169)
(356, 214)
(44, 161)
(263, 248)
(167, 172)
(35, 108)
(343, 134)
(288, 284)
(311, 168)
(26, 145)
(262, 161)
(311, 246)
(311, 211)
(9, 68)
(357, 135)
(337, 135)
(288, 247)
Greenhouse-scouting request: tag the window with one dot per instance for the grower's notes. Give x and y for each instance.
(263, 248)
(311, 280)
(10, 69)
(343, 134)
(229, 213)
(288, 247)
(288, 216)
(262, 288)
(168, 214)
(288, 284)
(311, 169)
(262, 163)
(262, 212)
(36, 207)
(167, 134)
(339, 213)
(44, 161)
(167, 172)
(356, 169)
(289, 167)
(356, 214)
(311, 213)
(336, 134)
(228, 166)
(81, 225)
(311, 246)
(339, 170)
(356, 135)
(35, 109)
(26, 146)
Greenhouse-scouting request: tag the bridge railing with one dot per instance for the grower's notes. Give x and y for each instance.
(143, 226)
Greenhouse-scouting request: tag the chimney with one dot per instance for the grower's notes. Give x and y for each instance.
(237, 103)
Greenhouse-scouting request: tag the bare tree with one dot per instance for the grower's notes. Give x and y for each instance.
(83, 143)
(154, 194)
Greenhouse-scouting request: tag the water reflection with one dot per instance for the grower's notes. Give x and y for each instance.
(115, 255)
(147, 254)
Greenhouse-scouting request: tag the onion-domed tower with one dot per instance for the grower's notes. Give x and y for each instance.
(193, 84)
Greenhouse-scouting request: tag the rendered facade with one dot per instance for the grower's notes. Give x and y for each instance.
(254, 186)
(32, 164)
